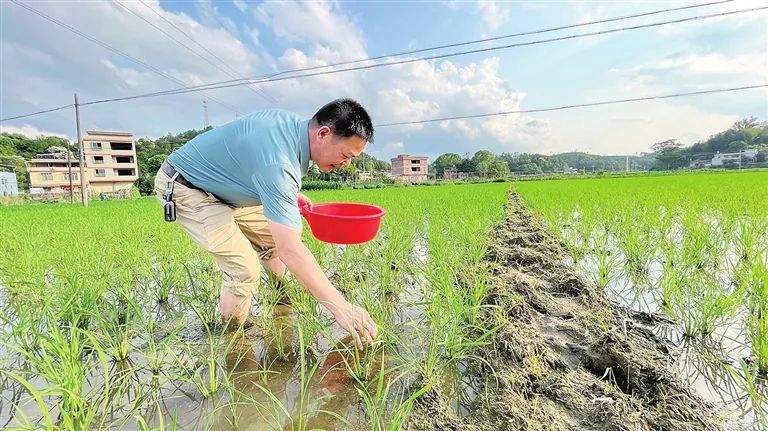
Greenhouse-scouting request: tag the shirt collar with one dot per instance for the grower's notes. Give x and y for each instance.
(304, 147)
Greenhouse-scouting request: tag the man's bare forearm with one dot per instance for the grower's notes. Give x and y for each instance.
(305, 268)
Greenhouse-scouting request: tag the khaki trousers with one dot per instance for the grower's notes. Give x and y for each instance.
(238, 238)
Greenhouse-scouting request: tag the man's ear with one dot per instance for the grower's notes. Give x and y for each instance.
(324, 132)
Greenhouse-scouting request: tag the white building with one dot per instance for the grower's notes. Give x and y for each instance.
(8, 184)
(721, 159)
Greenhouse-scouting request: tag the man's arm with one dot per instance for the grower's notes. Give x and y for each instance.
(303, 265)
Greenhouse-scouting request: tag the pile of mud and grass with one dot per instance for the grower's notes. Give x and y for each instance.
(565, 357)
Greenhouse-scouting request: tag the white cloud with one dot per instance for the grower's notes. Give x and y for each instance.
(452, 5)
(254, 35)
(402, 107)
(494, 14)
(211, 16)
(592, 131)
(241, 5)
(427, 90)
(690, 72)
(330, 34)
(31, 131)
(396, 146)
(317, 33)
(51, 64)
(751, 67)
(624, 120)
(634, 127)
(130, 77)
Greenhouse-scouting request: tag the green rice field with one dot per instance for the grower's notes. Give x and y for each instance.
(692, 247)
(110, 319)
(109, 315)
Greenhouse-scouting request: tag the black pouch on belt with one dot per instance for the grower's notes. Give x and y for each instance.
(169, 206)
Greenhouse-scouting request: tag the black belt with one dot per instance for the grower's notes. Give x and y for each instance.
(170, 171)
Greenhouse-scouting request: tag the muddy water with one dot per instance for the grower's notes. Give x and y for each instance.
(265, 390)
(699, 361)
(269, 393)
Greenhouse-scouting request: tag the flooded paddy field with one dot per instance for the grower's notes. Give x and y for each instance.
(529, 308)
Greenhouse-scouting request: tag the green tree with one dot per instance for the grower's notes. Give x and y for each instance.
(151, 153)
(367, 163)
(487, 165)
(529, 168)
(343, 174)
(466, 165)
(481, 161)
(16, 148)
(443, 161)
(146, 181)
(751, 138)
(669, 155)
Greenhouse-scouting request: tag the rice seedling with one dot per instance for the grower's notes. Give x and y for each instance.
(206, 371)
(167, 276)
(202, 294)
(387, 402)
(637, 240)
(142, 424)
(756, 285)
(424, 291)
(604, 260)
(695, 244)
(751, 384)
(64, 361)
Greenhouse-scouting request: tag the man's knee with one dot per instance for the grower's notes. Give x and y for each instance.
(244, 283)
(275, 267)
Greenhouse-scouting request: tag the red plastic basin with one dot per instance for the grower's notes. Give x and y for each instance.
(343, 223)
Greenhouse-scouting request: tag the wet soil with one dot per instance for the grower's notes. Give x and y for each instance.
(564, 356)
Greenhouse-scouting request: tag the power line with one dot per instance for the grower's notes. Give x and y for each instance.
(189, 37)
(117, 2)
(228, 84)
(507, 36)
(529, 111)
(579, 105)
(37, 113)
(113, 49)
(472, 42)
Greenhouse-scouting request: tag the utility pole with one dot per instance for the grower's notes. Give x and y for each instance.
(207, 123)
(69, 169)
(83, 192)
(628, 168)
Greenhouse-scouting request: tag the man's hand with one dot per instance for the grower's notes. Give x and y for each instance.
(356, 321)
(303, 201)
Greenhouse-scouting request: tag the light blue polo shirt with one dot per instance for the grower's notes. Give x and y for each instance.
(258, 159)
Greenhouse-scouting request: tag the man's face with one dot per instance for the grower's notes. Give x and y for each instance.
(335, 152)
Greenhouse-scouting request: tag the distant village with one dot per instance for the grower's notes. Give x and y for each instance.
(111, 169)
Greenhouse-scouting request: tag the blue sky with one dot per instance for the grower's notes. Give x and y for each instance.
(42, 65)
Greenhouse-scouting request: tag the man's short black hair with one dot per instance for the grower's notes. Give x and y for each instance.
(346, 118)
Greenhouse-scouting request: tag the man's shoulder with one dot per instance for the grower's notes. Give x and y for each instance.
(275, 116)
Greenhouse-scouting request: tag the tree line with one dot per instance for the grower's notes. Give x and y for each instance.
(748, 133)
(744, 134)
(666, 155)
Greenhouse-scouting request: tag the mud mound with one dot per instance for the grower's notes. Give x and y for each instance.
(565, 358)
